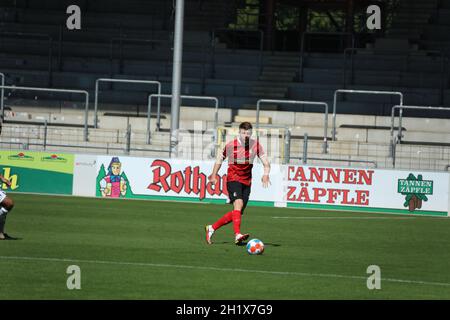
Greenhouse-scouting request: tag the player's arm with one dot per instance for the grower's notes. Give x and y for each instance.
(4, 180)
(263, 157)
(266, 175)
(213, 177)
(221, 155)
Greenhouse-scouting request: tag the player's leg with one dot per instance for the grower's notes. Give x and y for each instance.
(238, 205)
(245, 196)
(237, 213)
(232, 188)
(210, 229)
(6, 205)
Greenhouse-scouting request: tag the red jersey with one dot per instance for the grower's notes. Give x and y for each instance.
(240, 159)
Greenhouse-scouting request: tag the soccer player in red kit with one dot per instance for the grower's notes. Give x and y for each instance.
(241, 153)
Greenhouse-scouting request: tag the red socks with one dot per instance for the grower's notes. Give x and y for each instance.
(226, 219)
(236, 214)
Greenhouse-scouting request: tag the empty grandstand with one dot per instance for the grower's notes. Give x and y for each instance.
(237, 52)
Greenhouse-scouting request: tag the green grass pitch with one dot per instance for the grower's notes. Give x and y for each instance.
(156, 250)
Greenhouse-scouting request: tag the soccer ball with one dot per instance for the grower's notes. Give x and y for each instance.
(255, 246)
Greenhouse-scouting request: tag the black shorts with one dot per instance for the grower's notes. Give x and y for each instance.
(237, 190)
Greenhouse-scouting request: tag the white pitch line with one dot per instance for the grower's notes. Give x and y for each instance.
(160, 265)
(349, 218)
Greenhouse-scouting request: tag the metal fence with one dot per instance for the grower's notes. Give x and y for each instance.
(169, 96)
(299, 102)
(44, 136)
(86, 109)
(397, 139)
(97, 82)
(359, 92)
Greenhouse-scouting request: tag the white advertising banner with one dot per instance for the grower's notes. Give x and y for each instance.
(410, 192)
(329, 188)
(84, 172)
(147, 178)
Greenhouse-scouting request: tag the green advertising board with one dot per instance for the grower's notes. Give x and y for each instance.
(37, 172)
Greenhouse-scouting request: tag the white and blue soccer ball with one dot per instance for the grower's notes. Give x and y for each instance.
(255, 246)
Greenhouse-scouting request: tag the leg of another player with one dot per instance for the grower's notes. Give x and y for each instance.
(5, 207)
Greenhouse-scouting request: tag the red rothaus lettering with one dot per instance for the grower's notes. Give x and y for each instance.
(190, 180)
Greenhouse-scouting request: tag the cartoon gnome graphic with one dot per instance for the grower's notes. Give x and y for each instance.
(113, 185)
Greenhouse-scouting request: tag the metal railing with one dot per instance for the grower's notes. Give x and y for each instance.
(358, 92)
(304, 158)
(213, 44)
(302, 45)
(401, 107)
(37, 36)
(169, 96)
(107, 148)
(128, 139)
(397, 138)
(2, 95)
(97, 82)
(44, 135)
(407, 55)
(338, 160)
(287, 145)
(299, 102)
(86, 112)
(305, 148)
(393, 149)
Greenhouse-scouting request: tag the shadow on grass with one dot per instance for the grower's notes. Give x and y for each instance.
(10, 239)
(243, 244)
(272, 244)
